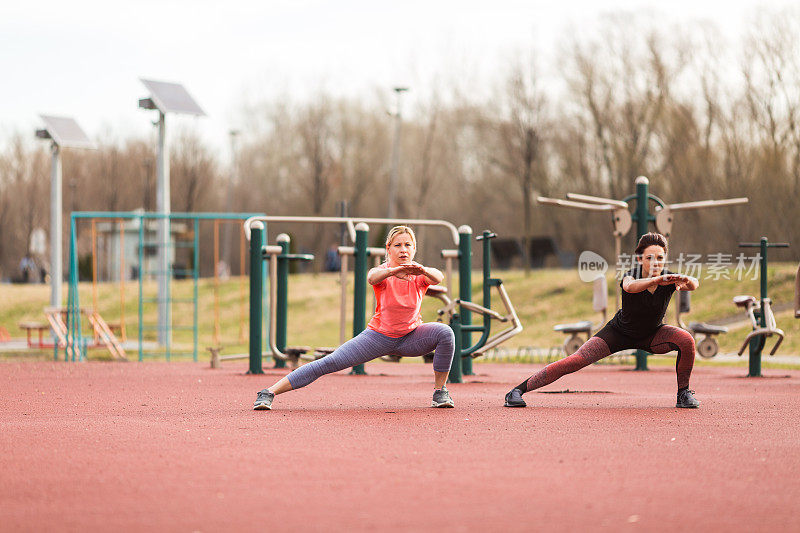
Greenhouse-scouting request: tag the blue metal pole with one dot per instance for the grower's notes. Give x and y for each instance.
(196, 276)
(72, 295)
(141, 287)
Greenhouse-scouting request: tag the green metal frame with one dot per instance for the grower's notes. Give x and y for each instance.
(465, 294)
(256, 300)
(282, 303)
(462, 361)
(257, 323)
(78, 345)
(360, 286)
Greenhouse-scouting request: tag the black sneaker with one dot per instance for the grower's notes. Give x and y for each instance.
(441, 398)
(687, 400)
(263, 401)
(514, 399)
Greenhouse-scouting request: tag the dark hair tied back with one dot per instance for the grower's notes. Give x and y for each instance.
(650, 239)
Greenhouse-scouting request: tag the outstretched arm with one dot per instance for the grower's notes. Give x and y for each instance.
(434, 274)
(632, 285)
(378, 274)
(687, 283)
(681, 281)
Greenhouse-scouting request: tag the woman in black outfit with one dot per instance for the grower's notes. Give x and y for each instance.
(646, 292)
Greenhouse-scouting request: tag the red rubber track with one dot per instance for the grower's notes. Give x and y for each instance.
(176, 447)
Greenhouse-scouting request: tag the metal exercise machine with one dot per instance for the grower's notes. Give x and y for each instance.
(463, 351)
(760, 312)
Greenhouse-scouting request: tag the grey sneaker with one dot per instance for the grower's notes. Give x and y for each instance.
(686, 399)
(264, 401)
(514, 399)
(441, 398)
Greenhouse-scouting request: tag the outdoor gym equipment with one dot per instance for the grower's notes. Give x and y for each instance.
(485, 342)
(622, 219)
(358, 230)
(585, 327)
(706, 346)
(759, 312)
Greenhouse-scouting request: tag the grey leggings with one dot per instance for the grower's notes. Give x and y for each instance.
(370, 344)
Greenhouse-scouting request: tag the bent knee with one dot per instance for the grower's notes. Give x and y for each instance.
(442, 333)
(446, 335)
(685, 340)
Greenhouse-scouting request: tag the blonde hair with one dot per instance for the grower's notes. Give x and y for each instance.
(399, 230)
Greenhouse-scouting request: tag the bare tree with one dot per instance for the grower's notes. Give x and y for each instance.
(771, 69)
(24, 194)
(360, 142)
(517, 125)
(194, 173)
(622, 81)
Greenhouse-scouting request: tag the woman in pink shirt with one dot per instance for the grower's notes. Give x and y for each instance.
(396, 327)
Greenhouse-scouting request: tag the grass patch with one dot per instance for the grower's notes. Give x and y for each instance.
(542, 299)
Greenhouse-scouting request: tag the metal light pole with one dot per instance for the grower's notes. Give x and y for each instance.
(393, 178)
(163, 204)
(226, 232)
(56, 208)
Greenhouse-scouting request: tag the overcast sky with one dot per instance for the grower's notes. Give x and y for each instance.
(83, 58)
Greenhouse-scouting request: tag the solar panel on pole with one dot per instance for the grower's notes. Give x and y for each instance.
(172, 98)
(65, 133)
(165, 97)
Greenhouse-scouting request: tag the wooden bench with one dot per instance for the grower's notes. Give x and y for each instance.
(41, 328)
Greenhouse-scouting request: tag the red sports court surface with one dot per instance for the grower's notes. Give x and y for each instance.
(176, 447)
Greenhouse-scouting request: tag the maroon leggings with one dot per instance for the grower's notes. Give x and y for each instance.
(608, 340)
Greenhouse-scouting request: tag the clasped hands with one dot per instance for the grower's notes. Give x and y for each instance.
(404, 271)
(681, 281)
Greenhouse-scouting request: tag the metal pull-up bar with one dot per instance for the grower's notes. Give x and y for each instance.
(577, 205)
(352, 221)
(596, 200)
(708, 203)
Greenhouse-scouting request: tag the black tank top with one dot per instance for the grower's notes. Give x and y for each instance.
(642, 312)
